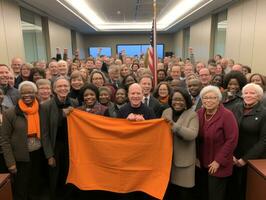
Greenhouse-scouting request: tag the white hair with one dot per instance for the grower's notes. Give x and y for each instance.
(254, 86)
(211, 88)
(28, 83)
(62, 62)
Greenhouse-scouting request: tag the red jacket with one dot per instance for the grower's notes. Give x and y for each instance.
(217, 140)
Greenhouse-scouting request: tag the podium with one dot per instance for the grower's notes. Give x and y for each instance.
(256, 180)
(5, 187)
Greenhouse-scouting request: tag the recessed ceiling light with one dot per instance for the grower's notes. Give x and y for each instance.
(181, 10)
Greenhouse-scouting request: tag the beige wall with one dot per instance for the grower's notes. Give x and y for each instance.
(60, 36)
(200, 38)
(246, 34)
(81, 46)
(11, 40)
(178, 44)
(113, 40)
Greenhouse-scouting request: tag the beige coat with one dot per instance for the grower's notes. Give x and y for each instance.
(185, 131)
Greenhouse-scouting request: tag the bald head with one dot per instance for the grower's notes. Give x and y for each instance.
(237, 67)
(135, 95)
(16, 64)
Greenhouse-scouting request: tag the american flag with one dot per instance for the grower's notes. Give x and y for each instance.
(151, 60)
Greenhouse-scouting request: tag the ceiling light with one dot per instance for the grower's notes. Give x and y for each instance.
(181, 10)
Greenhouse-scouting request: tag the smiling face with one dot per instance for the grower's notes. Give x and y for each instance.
(104, 97)
(163, 90)
(178, 102)
(194, 87)
(44, 91)
(27, 94)
(257, 80)
(89, 98)
(135, 95)
(146, 84)
(62, 88)
(25, 71)
(250, 96)
(217, 81)
(4, 75)
(97, 80)
(77, 83)
(124, 71)
(62, 68)
(233, 86)
(210, 101)
(120, 96)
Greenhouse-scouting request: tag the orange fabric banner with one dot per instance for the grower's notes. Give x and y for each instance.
(119, 155)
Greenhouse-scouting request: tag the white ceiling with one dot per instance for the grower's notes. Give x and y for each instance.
(120, 12)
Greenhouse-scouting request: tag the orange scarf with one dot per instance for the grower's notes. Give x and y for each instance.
(32, 117)
(164, 100)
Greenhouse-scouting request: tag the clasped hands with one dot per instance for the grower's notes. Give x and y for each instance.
(239, 162)
(135, 117)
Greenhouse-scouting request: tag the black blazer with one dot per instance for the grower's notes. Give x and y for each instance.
(252, 132)
(49, 121)
(155, 105)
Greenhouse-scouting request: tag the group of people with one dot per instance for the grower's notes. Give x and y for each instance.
(215, 111)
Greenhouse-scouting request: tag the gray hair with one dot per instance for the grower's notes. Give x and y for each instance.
(254, 86)
(28, 83)
(211, 88)
(59, 78)
(43, 82)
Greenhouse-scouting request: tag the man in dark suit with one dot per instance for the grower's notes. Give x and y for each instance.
(150, 101)
(114, 75)
(194, 87)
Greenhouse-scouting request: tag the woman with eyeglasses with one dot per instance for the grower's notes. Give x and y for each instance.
(218, 135)
(185, 125)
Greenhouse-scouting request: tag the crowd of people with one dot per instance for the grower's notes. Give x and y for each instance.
(215, 111)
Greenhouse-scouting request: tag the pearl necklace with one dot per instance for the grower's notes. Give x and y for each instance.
(205, 115)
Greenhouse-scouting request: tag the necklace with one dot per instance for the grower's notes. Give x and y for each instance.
(210, 116)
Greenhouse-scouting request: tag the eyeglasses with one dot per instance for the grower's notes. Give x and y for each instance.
(205, 98)
(95, 79)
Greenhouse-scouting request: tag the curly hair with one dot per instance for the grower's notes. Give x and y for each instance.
(241, 79)
(89, 86)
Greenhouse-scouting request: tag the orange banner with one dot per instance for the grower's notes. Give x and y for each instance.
(119, 155)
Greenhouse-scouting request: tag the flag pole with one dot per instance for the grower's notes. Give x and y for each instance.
(154, 43)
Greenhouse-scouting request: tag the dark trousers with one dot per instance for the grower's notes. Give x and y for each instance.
(197, 190)
(175, 192)
(27, 183)
(3, 168)
(213, 188)
(237, 184)
(59, 190)
(106, 195)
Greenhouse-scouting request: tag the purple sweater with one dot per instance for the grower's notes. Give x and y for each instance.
(217, 140)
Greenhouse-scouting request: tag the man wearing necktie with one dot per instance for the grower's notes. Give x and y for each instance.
(148, 99)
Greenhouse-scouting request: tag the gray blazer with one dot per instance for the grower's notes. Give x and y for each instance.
(13, 137)
(185, 131)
